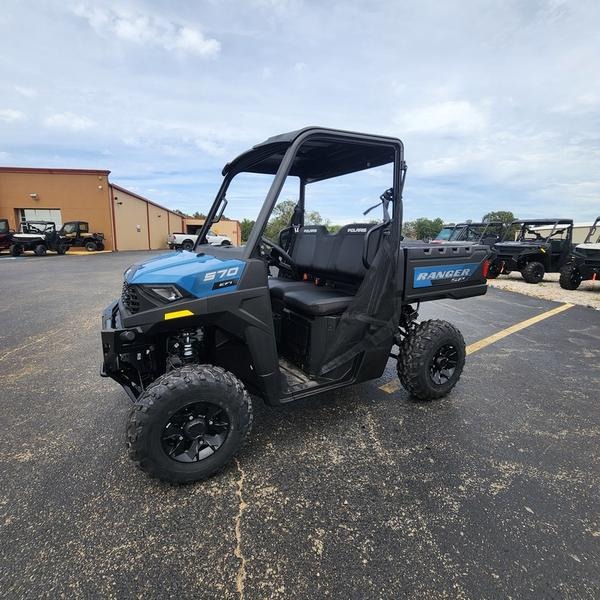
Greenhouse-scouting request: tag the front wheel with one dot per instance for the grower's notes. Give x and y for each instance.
(431, 360)
(40, 250)
(187, 245)
(62, 249)
(570, 277)
(91, 246)
(16, 250)
(189, 423)
(533, 272)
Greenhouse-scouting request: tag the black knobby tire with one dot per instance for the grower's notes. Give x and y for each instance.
(420, 355)
(225, 243)
(191, 385)
(570, 277)
(100, 246)
(62, 249)
(40, 250)
(533, 272)
(16, 250)
(91, 246)
(187, 245)
(493, 271)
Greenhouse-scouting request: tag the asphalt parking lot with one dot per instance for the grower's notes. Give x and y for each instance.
(362, 493)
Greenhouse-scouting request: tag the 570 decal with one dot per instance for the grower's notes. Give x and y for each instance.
(221, 274)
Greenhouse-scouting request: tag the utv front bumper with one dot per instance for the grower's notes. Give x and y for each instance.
(121, 349)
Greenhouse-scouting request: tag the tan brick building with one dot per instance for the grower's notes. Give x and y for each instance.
(127, 220)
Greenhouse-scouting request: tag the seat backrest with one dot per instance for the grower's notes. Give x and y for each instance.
(305, 245)
(334, 256)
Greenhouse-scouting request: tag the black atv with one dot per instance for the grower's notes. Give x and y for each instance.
(584, 261)
(79, 236)
(487, 232)
(195, 333)
(39, 237)
(539, 246)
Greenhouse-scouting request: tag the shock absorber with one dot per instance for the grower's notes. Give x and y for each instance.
(190, 339)
(187, 352)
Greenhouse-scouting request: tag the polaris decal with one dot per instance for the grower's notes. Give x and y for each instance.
(426, 276)
(356, 230)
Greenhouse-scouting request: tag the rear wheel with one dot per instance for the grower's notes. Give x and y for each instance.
(570, 277)
(62, 249)
(431, 360)
(16, 250)
(91, 246)
(187, 245)
(493, 271)
(189, 423)
(225, 243)
(40, 250)
(533, 272)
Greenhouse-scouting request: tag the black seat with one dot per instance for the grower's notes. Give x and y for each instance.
(334, 257)
(318, 301)
(279, 286)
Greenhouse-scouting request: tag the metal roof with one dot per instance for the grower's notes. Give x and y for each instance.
(326, 153)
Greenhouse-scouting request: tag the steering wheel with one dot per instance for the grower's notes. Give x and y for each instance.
(278, 257)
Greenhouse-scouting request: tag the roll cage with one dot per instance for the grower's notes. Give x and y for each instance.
(312, 154)
(592, 232)
(528, 226)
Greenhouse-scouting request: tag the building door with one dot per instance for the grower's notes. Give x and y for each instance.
(41, 214)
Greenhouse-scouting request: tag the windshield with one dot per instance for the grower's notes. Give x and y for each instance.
(70, 228)
(444, 234)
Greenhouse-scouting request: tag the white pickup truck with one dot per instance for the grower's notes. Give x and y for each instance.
(186, 241)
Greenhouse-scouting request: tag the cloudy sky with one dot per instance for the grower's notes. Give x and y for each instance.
(498, 103)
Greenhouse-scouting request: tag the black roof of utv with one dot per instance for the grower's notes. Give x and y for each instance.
(543, 221)
(321, 156)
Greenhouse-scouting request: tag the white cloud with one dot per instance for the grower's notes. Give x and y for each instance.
(457, 117)
(25, 91)
(9, 115)
(210, 147)
(70, 121)
(141, 28)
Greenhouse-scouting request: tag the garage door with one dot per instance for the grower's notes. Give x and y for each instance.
(42, 214)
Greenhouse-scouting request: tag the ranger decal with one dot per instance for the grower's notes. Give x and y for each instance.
(444, 274)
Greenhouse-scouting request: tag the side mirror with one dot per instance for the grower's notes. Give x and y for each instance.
(218, 216)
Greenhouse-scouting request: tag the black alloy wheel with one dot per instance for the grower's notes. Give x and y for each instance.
(195, 432)
(443, 364)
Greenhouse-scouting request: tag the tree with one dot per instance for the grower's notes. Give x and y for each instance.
(246, 226)
(199, 215)
(506, 216)
(423, 228)
(282, 215)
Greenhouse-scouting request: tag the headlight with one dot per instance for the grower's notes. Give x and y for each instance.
(168, 293)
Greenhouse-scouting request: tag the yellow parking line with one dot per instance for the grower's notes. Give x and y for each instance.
(393, 386)
(476, 346)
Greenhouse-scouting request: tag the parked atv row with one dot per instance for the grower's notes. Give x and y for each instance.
(533, 247)
(525, 249)
(40, 237)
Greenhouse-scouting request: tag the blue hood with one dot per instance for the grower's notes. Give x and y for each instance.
(201, 276)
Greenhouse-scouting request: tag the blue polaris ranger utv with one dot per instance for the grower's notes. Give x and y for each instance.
(196, 332)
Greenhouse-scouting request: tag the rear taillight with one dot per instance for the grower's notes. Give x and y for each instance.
(486, 267)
